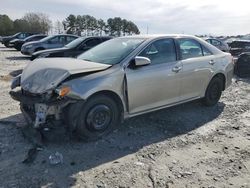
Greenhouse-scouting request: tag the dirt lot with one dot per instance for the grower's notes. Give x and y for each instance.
(184, 146)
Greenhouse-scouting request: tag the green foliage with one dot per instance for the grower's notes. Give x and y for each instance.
(31, 22)
(6, 25)
(89, 25)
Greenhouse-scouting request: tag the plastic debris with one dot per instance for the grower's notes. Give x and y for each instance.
(56, 158)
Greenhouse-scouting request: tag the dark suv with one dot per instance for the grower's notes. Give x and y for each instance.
(72, 49)
(21, 35)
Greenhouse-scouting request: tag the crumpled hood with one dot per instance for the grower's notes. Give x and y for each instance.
(45, 74)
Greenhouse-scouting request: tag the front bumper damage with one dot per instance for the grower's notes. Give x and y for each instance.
(40, 110)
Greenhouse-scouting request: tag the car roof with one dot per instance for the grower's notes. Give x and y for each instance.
(160, 36)
(66, 35)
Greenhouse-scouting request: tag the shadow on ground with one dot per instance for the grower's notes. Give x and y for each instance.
(16, 72)
(16, 58)
(133, 135)
(9, 50)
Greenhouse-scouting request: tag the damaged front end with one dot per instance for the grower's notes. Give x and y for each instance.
(41, 109)
(41, 91)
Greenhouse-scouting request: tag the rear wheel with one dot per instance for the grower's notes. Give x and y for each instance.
(97, 117)
(213, 92)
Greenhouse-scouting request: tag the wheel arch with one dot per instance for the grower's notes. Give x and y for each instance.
(112, 95)
(221, 76)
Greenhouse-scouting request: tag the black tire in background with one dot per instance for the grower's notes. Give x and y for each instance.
(213, 92)
(95, 118)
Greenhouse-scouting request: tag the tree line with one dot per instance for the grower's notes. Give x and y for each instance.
(84, 25)
(89, 25)
(30, 22)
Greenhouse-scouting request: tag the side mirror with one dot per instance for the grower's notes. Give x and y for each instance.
(140, 61)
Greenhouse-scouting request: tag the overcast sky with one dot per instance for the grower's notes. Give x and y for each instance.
(161, 16)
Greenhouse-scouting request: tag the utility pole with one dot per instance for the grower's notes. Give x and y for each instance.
(147, 29)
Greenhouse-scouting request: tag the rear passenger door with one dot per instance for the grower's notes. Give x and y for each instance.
(197, 62)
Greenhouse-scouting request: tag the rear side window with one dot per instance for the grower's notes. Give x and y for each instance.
(190, 48)
(160, 51)
(206, 52)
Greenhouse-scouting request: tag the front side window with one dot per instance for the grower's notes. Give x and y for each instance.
(21, 36)
(190, 48)
(54, 40)
(61, 39)
(161, 51)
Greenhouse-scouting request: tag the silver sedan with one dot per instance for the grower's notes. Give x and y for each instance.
(119, 79)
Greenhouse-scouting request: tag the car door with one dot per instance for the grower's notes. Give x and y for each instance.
(197, 62)
(157, 84)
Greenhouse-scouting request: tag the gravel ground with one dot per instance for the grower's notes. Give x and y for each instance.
(184, 146)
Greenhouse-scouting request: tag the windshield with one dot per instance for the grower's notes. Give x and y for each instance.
(16, 34)
(75, 42)
(113, 51)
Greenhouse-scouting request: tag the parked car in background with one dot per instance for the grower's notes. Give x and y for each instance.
(219, 44)
(21, 35)
(73, 49)
(17, 43)
(54, 41)
(121, 78)
(238, 47)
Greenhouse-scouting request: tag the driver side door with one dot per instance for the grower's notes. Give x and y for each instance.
(158, 84)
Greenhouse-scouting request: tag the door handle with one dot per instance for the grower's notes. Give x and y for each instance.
(177, 69)
(211, 62)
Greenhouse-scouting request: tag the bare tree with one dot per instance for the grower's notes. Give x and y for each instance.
(58, 27)
(38, 22)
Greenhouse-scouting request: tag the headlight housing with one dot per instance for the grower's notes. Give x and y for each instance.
(63, 91)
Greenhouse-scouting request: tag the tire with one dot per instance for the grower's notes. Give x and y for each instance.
(213, 92)
(97, 117)
(6, 45)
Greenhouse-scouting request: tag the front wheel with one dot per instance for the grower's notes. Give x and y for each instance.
(213, 92)
(97, 117)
